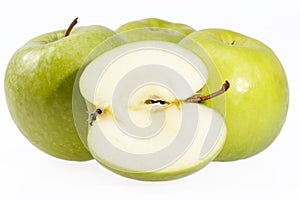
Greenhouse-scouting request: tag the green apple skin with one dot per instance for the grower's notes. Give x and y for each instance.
(256, 104)
(38, 87)
(154, 29)
(164, 175)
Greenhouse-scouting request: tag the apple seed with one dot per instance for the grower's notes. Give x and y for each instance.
(93, 116)
(152, 101)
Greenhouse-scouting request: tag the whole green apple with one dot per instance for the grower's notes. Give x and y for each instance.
(39, 83)
(154, 29)
(256, 104)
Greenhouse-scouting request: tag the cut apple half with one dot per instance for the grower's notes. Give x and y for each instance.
(141, 123)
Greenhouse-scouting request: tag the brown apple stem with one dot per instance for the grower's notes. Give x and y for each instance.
(197, 99)
(71, 26)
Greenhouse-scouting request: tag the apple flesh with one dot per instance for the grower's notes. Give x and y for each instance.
(154, 29)
(256, 104)
(39, 83)
(141, 123)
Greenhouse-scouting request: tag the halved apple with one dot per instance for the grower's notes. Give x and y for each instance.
(141, 123)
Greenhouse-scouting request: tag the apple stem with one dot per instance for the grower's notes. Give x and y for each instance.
(71, 26)
(197, 99)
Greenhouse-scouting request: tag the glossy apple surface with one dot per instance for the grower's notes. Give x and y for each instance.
(38, 87)
(256, 104)
(153, 29)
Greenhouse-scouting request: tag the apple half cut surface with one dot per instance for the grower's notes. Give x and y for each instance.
(140, 122)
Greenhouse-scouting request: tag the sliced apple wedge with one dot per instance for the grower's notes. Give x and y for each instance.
(141, 123)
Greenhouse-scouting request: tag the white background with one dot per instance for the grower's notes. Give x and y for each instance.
(27, 173)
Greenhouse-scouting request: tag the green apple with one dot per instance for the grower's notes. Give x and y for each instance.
(256, 104)
(39, 83)
(141, 123)
(154, 29)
